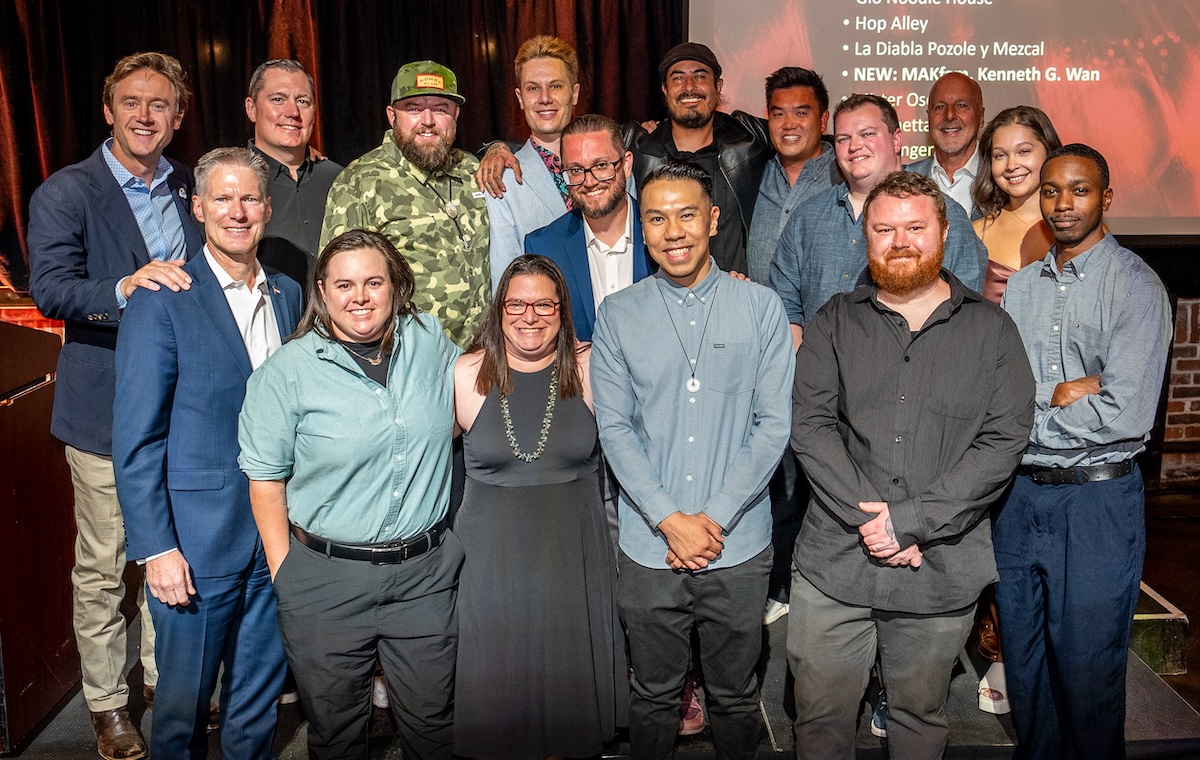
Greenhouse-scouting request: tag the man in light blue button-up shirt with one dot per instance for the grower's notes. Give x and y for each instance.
(693, 416)
(1070, 539)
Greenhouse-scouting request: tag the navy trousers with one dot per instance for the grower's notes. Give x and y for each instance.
(232, 622)
(1070, 562)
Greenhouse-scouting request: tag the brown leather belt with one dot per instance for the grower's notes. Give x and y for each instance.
(1059, 476)
(390, 553)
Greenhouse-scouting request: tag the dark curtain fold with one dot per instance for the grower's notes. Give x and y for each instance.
(54, 55)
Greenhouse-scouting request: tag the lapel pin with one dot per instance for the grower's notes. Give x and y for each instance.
(182, 194)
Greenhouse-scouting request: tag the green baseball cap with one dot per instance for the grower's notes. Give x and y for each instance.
(425, 78)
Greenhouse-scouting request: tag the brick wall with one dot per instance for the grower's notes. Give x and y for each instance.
(1181, 458)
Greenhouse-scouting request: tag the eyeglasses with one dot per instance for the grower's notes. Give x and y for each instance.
(602, 171)
(515, 308)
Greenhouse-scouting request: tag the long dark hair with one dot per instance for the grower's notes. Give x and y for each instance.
(316, 314)
(493, 369)
(986, 194)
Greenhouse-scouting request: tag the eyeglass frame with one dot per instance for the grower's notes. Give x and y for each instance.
(566, 172)
(525, 307)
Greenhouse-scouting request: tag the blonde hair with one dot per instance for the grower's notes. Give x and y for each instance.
(159, 63)
(545, 46)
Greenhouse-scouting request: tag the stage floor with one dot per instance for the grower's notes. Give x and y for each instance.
(1159, 722)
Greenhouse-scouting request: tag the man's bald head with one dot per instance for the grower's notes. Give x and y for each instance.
(955, 117)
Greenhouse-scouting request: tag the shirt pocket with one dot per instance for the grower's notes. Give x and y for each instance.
(732, 367)
(1089, 345)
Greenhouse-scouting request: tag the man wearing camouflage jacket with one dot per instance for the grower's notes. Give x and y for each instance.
(420, 193)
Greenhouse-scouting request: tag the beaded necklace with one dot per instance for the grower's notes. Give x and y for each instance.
(546, 420)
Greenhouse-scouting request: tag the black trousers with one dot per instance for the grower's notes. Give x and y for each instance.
(337, 615)
(659, 609)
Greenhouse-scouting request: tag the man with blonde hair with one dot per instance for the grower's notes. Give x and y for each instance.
(98, 230)
(547, 73)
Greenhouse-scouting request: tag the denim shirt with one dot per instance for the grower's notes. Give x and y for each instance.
(712, 450)
(1105, 314)
(777, 199)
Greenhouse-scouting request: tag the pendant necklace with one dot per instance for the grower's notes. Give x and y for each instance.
(546, 420)
(450, 207)
(357, 350)
(692, 384)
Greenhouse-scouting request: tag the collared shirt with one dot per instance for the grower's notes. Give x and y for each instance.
(1105, 314)
(933, 423)
(611, 267)
(252, 310)
(154, 209)
(383, 191)
(711, 450)
(293, 235)
(553, 164)
(823, 251)
(960, 187)
(363, 463)
(778, 198)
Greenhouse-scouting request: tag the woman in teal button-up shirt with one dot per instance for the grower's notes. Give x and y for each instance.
(345, 436)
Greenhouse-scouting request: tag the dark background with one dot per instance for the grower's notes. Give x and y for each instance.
(54, 55)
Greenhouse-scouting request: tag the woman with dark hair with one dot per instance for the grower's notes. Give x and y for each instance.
(345, 435)
(1014, 144)
(538, 671)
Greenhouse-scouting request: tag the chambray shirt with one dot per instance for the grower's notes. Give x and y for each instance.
(1105, 314)
(153, 208)
(823, 252)
(777, 199)
(363, 463)
(711, 451)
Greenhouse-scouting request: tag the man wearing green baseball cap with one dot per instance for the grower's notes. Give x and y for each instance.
(420, 192)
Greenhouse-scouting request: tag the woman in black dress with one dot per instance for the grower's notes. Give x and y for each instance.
(538, 671)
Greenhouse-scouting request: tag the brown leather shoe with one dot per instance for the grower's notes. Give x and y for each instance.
(214, 710)
(116, 736)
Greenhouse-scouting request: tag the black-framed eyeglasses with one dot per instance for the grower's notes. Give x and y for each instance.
(517, 308)
(601, 171)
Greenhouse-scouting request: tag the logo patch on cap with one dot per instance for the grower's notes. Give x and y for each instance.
(431, 81)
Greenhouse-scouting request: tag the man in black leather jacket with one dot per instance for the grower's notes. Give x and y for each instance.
(733, 148)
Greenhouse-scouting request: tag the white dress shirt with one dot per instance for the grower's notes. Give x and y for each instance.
(611, 267)
(960, 188)
(252, 310)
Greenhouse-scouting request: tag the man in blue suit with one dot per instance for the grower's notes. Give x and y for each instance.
(98, 230)
(182, 364)
(598, 246)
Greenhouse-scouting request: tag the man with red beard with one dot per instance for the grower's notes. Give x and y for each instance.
(911, 407)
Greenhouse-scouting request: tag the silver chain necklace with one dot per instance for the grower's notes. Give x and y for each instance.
(546, 420)
(692, 385)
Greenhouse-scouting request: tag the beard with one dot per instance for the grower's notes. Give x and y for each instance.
(598, 208)
(432, 157)
(908, 277)
(692, 118)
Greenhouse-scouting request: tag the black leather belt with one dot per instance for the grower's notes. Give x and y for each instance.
(390, 553)
(1059, 476)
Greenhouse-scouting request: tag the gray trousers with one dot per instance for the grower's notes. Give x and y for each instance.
(831, 647)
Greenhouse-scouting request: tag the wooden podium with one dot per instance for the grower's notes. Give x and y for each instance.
(39, 662)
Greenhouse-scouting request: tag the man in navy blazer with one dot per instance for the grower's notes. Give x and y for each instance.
(183, 359)
(98, 230)
(598, 246)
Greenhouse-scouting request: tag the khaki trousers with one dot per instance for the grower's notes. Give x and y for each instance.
(99, 586)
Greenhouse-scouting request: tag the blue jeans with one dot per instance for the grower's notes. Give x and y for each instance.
(1070, 561)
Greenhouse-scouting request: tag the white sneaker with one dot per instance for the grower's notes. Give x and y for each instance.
(775, 610)
(379, 696)
(993, 691)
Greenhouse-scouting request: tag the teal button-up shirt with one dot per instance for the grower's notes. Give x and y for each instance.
(363, 463)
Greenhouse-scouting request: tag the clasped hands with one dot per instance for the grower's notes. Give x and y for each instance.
(692, 540)
(879, 536)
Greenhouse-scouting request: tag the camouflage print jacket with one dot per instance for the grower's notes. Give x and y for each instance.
(382, 191)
